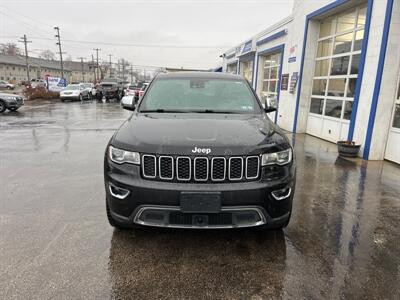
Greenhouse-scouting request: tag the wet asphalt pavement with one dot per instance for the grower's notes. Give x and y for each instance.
(55, 243)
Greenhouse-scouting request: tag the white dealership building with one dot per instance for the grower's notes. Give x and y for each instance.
(332, 68)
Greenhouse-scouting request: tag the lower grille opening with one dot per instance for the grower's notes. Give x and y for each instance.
(179, 218)
(166, 217)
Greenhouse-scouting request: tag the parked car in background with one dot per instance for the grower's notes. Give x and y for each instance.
(6, 85)
(110, 89)
(128, 101)
(143, 89)
(37, 82)
(74, 92)
(131, 90)
(10, 101)
(91, 89)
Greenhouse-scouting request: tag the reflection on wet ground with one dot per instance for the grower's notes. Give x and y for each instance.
(55, 242)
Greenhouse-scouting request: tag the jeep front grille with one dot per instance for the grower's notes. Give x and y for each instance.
(200, 168)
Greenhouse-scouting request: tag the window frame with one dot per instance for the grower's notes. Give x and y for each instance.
(348, 76)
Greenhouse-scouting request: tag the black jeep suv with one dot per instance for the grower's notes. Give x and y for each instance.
(110, 88)
(199, 151)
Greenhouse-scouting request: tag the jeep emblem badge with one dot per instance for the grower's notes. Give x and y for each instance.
(201, 150)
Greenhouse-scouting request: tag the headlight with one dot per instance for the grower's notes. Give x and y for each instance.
(120, 156)
(280, 158)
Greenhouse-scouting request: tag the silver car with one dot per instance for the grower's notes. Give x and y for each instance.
(75, 92)
(10, 101)
(6, 85)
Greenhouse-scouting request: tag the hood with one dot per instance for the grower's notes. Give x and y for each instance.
(6, 95)
(180, 134)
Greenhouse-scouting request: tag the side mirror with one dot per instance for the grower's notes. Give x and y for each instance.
(128, 103)
(269, 109)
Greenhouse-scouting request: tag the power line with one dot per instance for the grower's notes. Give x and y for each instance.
(140, 45)
(60, 52)
(25, 41)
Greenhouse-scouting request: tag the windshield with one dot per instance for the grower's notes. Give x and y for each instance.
(200, 95)
(72, 87)
(132, 87)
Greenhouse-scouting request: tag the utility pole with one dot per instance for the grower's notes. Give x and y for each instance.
(123, 70)
(94, 69)
(59, 47)
(118, 73)
(131, 73)
(82, 67)
(97, 60)
(25, 41)
(110, 65)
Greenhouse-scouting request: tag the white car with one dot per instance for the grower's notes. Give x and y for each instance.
(74, 92)
(38, 82)
(128, 101)
(91, 89)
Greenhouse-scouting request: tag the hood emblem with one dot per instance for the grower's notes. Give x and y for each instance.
(201, 150)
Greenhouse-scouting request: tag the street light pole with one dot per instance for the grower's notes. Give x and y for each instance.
(60, 52)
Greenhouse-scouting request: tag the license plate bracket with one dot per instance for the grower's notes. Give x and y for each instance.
(200, 202)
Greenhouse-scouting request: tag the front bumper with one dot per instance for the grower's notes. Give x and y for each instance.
(157, 203)
(15, 104)
(69, 97)
(110, 94)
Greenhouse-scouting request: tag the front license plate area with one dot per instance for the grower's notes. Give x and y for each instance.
(194, 202)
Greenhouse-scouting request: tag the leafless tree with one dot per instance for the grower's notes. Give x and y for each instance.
(10, 49)
(47, 54)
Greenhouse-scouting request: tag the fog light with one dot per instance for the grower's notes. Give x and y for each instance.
(117, 192)
(281, 194)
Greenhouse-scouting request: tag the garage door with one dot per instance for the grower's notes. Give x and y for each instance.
(335, 74)
(393, 144)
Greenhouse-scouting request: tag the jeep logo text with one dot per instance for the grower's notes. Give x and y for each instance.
(201, 150)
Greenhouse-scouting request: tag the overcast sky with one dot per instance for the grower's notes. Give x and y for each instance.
(174, 33)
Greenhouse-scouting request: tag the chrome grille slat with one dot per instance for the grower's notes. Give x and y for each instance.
(166, 167)
(200, 168)
(249, 167)
(149, 167)
(181, 168)
(215, 169)
(235, 163)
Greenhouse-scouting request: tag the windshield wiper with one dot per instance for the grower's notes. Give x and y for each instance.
(211, 111)
(161, 110)
(205, 111)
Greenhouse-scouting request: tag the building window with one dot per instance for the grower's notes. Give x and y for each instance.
(269, 76)
(246, 69)
(232, 68)
(337, 63)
